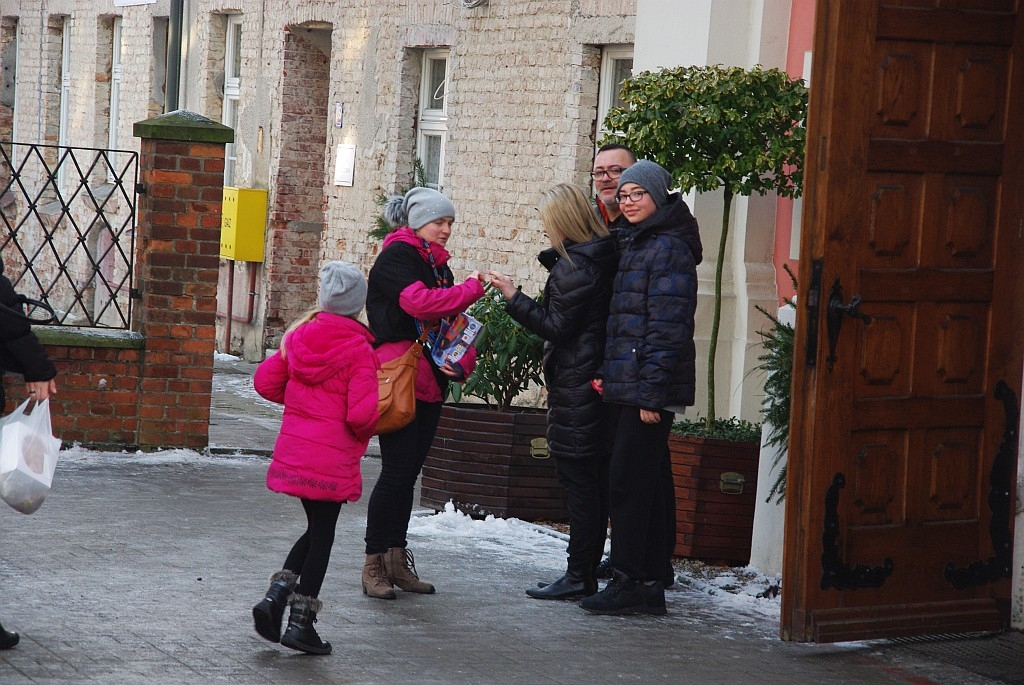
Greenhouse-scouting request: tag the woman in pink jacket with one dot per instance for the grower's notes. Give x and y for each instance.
(411, 287)
(325, 374)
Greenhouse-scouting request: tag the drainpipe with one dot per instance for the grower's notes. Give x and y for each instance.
(174, 27)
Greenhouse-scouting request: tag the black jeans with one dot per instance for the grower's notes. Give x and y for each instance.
(586, 497)
(312, 551)
(638, 494)
(402, 454)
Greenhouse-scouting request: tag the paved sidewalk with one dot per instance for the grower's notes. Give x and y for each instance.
(137, 572)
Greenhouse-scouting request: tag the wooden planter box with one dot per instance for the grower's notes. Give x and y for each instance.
(481, 461)
(711, 524)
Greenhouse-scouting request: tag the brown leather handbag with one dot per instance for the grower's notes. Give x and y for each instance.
(396, 389)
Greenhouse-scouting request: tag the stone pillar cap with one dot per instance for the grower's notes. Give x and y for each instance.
(184, 125)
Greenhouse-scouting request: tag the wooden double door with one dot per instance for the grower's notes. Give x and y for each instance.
(910, 329)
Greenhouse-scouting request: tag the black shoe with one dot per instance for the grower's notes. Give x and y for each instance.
(267, 614)
(564, 588)
(301, 634)
(654, 592)
(624, 596)
(8, 638)
(604, 569)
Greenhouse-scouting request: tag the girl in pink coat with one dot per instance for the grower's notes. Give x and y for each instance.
(325, 374)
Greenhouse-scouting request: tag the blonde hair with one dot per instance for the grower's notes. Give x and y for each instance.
(305, 318)
(568, 215)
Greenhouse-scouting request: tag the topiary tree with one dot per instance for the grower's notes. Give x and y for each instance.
(716, 127)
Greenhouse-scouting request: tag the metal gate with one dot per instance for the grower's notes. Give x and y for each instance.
(69, 215)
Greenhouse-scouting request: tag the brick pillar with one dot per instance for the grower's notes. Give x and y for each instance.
(177, 250)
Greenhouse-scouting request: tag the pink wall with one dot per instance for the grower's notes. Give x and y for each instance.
(801, 36)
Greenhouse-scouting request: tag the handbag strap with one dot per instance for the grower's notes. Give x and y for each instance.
(35, 304)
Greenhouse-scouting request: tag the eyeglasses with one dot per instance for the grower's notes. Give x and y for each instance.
(634, 196)
(611, 172)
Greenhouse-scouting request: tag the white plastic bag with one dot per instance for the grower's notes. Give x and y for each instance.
(28, 456)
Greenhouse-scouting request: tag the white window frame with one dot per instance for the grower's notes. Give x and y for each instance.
(232, 91)
(65, 100)
(608, 88)
(433, 121)
(113, 125)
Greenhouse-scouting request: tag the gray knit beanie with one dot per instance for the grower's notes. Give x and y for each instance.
(418, 208)
(342, 288)
(649, 176)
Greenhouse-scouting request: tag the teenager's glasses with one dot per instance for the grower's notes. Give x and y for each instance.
(634, 196)
(611, 172)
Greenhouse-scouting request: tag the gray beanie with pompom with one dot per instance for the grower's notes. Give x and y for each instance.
(418, 208)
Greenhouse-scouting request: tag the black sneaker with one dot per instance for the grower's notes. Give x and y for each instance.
(604, 569)
(624, 596)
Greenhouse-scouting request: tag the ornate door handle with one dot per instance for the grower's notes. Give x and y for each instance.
(835, 313)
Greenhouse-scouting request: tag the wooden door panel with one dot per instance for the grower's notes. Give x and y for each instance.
(898, 459)
(893, 202)
(965, 210)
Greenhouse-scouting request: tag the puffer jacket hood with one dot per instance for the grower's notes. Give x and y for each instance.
(312, 356)
(675, 218)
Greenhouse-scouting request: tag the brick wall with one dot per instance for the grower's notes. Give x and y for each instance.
(97, 401)
(296, 225)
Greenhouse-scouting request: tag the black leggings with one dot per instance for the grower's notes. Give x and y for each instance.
(402, 454)
(312, 551)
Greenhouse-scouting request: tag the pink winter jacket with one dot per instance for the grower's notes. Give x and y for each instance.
(327, 381)
(422, 302)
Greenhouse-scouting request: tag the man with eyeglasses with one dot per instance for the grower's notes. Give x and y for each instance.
(611, 161)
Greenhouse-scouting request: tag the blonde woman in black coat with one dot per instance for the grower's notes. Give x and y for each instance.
(571, 319)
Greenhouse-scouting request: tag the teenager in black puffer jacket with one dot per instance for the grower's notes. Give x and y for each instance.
(21, 352)
(648, 376)
(571, 319)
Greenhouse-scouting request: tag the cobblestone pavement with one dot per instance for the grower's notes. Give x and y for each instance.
(138, 571)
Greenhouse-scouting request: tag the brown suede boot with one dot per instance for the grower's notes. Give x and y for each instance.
(402, 571)
(376, 583)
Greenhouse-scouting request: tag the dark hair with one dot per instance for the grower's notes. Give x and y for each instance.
(616, 146)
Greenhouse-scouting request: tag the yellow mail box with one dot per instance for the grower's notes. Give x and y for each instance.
(243, 224)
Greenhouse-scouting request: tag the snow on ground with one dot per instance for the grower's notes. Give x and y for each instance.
(743, 590)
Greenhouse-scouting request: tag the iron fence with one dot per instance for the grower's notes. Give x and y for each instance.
(69, 214)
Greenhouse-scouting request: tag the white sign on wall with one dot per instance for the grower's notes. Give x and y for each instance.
(345, 165)
(129, 3)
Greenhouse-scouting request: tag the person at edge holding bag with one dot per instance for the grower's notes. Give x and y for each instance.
(410, 287)
(571, 319)
(21, 352)
(325, 374)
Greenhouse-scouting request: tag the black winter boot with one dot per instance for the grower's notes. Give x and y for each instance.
(569, 586)
(8, 638)
(268, 613)
(301, 634)
(625, 596)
